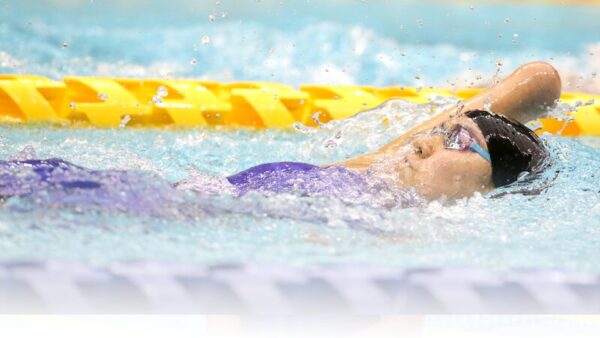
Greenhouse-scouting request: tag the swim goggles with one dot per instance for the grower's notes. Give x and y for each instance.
(461, 139)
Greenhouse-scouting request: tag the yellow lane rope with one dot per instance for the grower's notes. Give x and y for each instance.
(113, 102)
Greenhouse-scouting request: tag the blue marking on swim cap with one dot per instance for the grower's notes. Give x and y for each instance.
(478, 149)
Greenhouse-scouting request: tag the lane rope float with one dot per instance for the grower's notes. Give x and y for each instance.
(114, 102)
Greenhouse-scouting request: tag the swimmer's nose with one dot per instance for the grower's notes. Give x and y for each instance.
(425, 146)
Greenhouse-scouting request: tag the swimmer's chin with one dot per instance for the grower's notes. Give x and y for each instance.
(430, 193)
(401, 175)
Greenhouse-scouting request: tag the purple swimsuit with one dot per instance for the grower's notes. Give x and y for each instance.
(56, 184)
(303, 178)
(21, 178)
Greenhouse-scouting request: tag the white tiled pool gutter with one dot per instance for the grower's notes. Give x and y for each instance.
(143, 287)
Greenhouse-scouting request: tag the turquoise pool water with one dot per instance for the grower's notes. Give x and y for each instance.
(557, 229)
(439, 45)
(371, 42)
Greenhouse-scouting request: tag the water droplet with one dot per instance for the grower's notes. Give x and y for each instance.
(506, 20)
(303, 128)
(193, 62)
(205, 39)
(212, 17)
(162, 91)
(461, 106)
(72, 105)
(487, 104)
(315, 118)
(534, 125)
(160, 94)
(124, 121)
(223, 15)
(496, 77)
(522, 175)
(515, 36)
(330, 144)
(417, 77)
(65, 45)
(102, 96)
(472, 7)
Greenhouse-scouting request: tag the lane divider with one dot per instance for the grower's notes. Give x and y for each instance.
(114, 102)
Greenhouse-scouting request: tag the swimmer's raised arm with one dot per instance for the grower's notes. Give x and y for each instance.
(523, 96)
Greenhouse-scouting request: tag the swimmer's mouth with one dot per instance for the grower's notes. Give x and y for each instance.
(404, 170)
(407, 163)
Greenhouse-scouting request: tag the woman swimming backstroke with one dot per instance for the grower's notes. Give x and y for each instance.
(470, 148)
(493, 122)
(475, 147)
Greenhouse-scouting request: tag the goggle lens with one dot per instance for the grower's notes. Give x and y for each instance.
(459, 139)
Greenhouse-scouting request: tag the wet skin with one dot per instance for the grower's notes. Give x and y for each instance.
(419, 160)
(438, 173)
(432, 170)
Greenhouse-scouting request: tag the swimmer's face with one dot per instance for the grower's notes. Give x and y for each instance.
(436, 172)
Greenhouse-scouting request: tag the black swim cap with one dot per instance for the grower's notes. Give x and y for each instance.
(513, 147)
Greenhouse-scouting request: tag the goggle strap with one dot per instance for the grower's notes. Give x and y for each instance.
(478, 149)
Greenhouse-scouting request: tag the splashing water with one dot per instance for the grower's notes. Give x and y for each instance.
(305, 52)
(511, 227)
(506, 228)
(375, 127)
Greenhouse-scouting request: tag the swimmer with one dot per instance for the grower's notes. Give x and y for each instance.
(475, 147)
